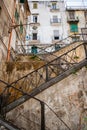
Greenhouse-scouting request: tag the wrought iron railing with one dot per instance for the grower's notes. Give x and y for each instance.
(49, 48)
(26, 84)
(42, 118)
(44, 74)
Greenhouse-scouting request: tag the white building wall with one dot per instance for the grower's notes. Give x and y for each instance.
(45, 30)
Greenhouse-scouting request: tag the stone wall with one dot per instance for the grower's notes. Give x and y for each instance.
(68, 99)
(11, 71)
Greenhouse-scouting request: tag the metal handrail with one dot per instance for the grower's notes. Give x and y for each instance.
(42, 75)
(56, 67)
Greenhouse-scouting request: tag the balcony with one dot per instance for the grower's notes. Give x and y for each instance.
(55, 22)
(33, 23)
(72, 19)
(52, 9)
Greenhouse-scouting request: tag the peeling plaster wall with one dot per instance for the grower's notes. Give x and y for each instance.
(68, 99)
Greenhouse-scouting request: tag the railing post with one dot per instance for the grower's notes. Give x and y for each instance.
(46, 72)
(2, 113)
(42, 115)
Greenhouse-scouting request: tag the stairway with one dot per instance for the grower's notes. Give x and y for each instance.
(64, 62)
(44, 77)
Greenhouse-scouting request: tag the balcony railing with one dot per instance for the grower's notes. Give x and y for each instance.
(54, 9)
(34, 23)
(54, 21)
(73, 19)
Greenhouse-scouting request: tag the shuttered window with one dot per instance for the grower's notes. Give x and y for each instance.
(34, 5)
(56, 34)
(53, 5)
(16, 15)
(21, 27)
(73, 27)
(55, 19)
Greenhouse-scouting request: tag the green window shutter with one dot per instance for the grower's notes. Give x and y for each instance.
(16, 15)
(21, 27)
(74, 28)
(22, 1)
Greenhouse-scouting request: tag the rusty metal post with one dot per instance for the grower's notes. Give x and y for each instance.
(10, 37)
(47, 73)
(42, 115)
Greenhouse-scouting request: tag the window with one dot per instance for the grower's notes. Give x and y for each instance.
(34, 5)
(55, 19)
(72, 15)
(22, 1)
(21, 27)
(16, 15)
(56, 34)
(34, 36)
(35, 19)
(73, 27)
(53, 5)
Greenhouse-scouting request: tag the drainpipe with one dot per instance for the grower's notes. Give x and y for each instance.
(10, 37)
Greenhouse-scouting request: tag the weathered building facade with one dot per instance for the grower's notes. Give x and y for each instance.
(76, 20)
(47, 22)
(52, 21)
(13, 19)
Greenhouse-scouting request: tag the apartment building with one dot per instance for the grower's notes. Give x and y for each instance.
(47, 22)
(76, 20)
(51, 21)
